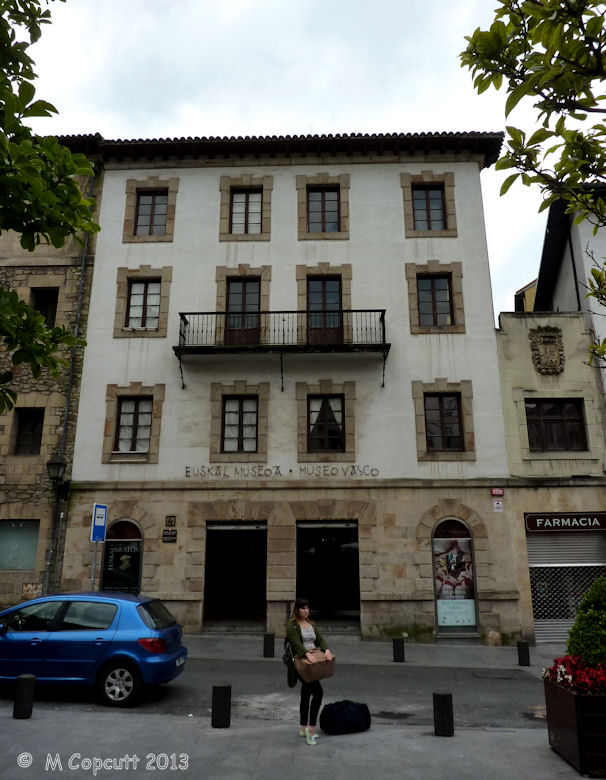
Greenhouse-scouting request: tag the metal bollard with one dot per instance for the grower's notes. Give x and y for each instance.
(268, 645)
(523, 654)
(398, 649)
(443, 720)
(24, 696)
(221, 707)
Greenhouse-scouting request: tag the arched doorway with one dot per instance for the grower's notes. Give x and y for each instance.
(454, 580)
(122, 558)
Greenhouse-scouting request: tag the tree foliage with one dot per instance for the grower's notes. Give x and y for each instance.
(587, 637)
(40, 198)
(552, 52)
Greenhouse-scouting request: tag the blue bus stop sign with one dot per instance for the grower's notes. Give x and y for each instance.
(97, 531)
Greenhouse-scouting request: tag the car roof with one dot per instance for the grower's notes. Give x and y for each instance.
(97, 595)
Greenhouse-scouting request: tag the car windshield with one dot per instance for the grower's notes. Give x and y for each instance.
(155, 615)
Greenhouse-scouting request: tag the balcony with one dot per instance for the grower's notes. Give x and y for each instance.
(318, 331)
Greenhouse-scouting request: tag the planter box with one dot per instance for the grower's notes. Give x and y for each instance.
(577, 728)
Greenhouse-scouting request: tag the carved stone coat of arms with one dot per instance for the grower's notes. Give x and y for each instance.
(547, 350)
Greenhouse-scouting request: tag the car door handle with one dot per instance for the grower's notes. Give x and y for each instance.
(100, 641)
(35, 641)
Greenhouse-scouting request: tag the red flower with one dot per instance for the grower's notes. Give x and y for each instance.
(571, 672)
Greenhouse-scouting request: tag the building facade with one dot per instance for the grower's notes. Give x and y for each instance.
(291, 386)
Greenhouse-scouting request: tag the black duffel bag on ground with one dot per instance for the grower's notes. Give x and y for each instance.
(345, 717)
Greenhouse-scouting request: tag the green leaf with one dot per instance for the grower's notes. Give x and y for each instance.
(539, 136)
(508, 182)
(516, 95)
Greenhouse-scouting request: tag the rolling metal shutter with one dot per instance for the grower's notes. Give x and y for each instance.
(562, 567)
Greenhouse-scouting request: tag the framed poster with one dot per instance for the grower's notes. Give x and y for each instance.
(453, 576)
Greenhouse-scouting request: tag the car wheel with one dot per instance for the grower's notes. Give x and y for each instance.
(119, 684)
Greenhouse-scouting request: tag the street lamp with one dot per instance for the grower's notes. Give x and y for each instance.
(56, 467)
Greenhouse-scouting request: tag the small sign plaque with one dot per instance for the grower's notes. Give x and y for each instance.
(169, 534)
(170, 521)
(497, 492)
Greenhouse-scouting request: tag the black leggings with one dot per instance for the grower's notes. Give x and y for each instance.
(309, 712)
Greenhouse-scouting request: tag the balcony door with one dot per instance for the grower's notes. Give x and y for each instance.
(324, 312)
(243, 305)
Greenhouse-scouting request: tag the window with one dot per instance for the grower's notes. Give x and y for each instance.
(143, 309)
(133, 430)
(443, 426)
(242, 298)
(555, 425)
(133, 418)
(428, 207)
(245, 208)
(245, 213)
(18, 544)
(239, 429)
(150, 218)
(323, 207)
(444, 420)
(142, 302)
(239, 422)
(435, 300)
(325, 423)
(324, 314)
(435, 297)
(150, 210)
(87, 616)
(35, 617)
(323, 212)
(324, 293)
(44, 300)
(28, 436)
(242, 318)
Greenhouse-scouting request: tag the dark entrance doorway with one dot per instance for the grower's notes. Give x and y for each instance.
(235, 578)
(122, 558)
(328, 570)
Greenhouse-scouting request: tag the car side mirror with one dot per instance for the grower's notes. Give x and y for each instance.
(3, 628)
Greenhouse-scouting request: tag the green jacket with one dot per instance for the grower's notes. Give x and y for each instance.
(294, 636)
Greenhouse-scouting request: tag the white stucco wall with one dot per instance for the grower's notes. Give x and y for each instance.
(377, 250)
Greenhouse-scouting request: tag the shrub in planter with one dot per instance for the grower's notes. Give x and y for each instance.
(575, 689)
(587, 637)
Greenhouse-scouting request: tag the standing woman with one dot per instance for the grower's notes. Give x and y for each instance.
(304, 636)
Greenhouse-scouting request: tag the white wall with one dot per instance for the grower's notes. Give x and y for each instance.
(377, 250)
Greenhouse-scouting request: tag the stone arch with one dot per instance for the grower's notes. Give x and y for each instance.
(444, 509)
(119, 529)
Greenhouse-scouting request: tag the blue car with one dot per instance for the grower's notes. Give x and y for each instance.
(116, 642)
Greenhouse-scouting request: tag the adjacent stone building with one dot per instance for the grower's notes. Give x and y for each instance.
(33, 512)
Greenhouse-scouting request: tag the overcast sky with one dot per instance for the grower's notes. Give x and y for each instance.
(157, 69)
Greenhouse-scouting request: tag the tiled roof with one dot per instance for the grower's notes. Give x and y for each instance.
(486, 144)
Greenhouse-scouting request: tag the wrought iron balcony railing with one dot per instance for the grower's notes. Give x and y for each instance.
(327, 330)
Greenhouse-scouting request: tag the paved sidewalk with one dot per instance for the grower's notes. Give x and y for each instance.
(352, 650)
(90, 744)
(60, 742)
